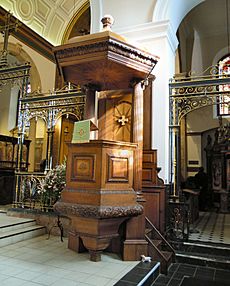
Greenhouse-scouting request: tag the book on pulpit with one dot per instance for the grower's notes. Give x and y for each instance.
(81, 131)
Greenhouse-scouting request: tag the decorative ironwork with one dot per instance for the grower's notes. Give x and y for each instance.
(178, 224)
(49, 107)
(187, 93)
(11, 74)
(28, 191)
(14, 74)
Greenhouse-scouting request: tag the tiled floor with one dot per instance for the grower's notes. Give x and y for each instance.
(178, 271)
(39, 261)
(212, 227)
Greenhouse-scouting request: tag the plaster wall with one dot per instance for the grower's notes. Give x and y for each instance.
(13, 108)
(46, 69)
(211, 46)
(201, 119)
(129, 12)
(174, 10)
(194, 151)
(4, 109)
(197, 65)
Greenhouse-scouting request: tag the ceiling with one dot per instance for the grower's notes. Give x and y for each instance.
(208, 19)
(48, 18)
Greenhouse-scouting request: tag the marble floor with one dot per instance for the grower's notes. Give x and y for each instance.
(212, 227)
(206, 276)
(41, 261)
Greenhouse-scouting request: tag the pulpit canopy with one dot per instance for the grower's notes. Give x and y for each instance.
(104, 59)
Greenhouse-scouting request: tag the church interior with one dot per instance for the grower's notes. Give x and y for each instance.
(115, 142)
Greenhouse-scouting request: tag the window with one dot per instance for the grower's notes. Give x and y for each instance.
(223, 108)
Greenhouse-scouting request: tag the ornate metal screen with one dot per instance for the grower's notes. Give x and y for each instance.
(49, 107)
(187, 93)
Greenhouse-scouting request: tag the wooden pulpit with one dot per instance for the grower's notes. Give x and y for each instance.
(104, 176)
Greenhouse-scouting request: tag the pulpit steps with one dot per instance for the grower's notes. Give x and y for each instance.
(158, 247)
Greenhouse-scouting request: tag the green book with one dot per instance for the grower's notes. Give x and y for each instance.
(81, 131)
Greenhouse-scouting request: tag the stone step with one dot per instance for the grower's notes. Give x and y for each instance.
(143, 274)
(210, 255)
(16, 225)
(14, 229)
(211, 249)
(24, 233)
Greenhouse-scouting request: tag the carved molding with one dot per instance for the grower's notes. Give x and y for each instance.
(98, 211)
(108, 45)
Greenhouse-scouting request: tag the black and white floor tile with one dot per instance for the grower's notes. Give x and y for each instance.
(212, 227)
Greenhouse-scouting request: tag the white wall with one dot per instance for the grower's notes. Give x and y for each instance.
(46, 68)
(201, 119)
(197, 65)
(174, 10)
(8, 107)
(4, 108)
(13, 108)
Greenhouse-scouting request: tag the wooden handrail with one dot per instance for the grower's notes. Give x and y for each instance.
(157, 250)
(159, 234)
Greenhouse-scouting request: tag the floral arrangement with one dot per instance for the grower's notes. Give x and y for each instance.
(52, 185)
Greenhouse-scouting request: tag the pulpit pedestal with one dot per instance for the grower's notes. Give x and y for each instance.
(98, 196)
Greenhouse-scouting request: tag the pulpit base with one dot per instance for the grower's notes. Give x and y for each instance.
(93, 234)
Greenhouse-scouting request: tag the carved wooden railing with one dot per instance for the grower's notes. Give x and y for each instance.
(157, 235)
(158, 247)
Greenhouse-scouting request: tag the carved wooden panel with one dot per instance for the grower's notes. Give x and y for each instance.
(147, 117)
(148, 175)
(155, 206)
(115, 116)
(83, 168)
(122, 114)
(149, 168)
(117, 169)
(100, 165)
(150, 157)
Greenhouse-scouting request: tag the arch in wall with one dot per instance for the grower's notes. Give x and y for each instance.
(165, 10)
(17, 51)
(79, 24)
(21, 56)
